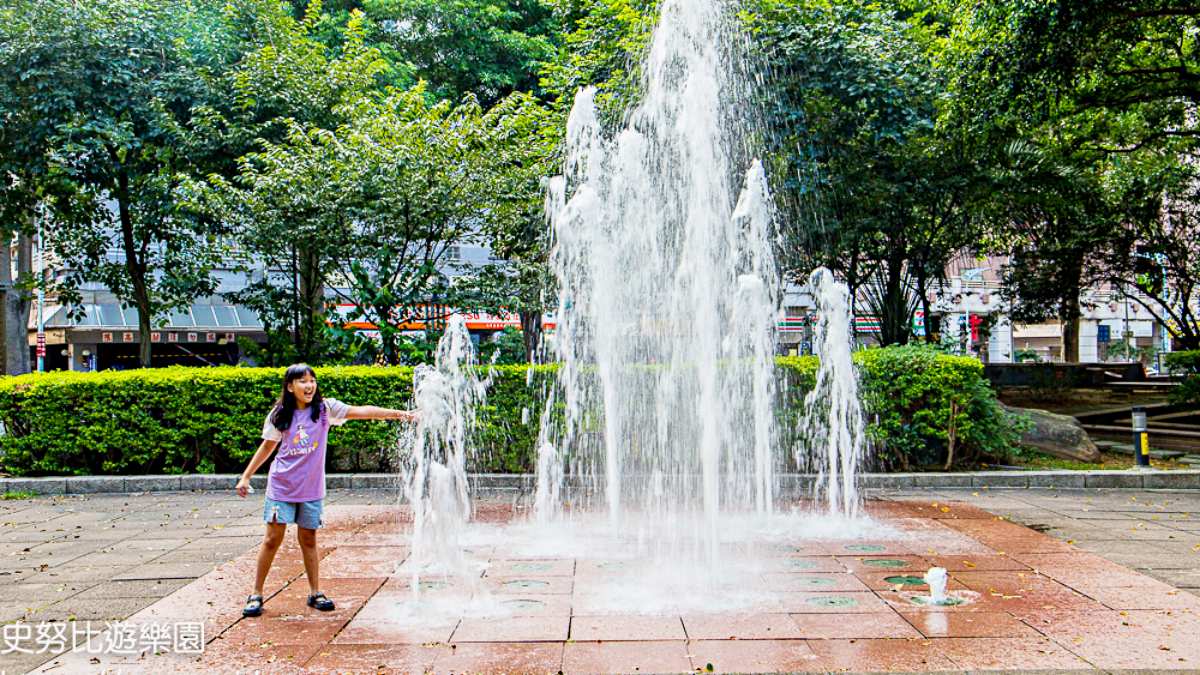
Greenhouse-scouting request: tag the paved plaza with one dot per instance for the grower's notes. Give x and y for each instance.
(1098, 580)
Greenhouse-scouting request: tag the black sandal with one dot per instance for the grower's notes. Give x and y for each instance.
(253, 607)
(319, 602)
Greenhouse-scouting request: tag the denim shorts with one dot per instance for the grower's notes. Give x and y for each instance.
(302, 514)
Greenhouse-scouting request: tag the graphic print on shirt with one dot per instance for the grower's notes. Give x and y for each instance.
(301, 444)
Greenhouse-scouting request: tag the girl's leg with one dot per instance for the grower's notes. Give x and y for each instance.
(308, 547)
(266, 554)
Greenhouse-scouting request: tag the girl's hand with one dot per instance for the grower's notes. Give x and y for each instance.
(243, 487)
(406, 415)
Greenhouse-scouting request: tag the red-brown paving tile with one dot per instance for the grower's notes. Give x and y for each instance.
(853, 626)
(806, 581)
(233, 654)
(1132, 639)
(529, 585)
(284, 630)
(800, 548)
(401, 584)
(832, 602)
(348, 595)
(896, 509)
(528, 605)
(1009, 538)
(885, 563)
(805, 563)
(977, 563)
(868, 547)
(363, 561)
(737, 656)
(515, 629)
(338, 658)
(1009, 583)
(538, 567)
(879, 581)
(1146, 597)
(1008, 653)
(381, 630)
(933, 509)
(626, 657)
(884, 655)
(1061, 599)
(967, 624)
(739, 626)
(501, 657)
(626, 628)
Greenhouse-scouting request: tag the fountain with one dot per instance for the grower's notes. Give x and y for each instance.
(833, 420)
(669, 294)
(434, 471)
(659, 457)
(936, 578)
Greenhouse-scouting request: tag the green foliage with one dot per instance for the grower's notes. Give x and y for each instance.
(508, 348)
(912, 395)
(102, 97)
(604, 41)
(1186, 363)
(17, 495)
(1096, 96)
(178, 420)
(484, 48)
(867, 183)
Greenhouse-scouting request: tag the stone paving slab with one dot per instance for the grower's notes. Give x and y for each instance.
(1037, 602)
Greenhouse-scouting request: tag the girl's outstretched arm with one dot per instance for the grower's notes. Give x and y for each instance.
(370, 412)
(264, 452)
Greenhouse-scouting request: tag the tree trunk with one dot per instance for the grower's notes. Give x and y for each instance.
(1069, 314)
(923, 289)
(531, 334)
(136, 268)
(893, 330)
(312, 299)
(1070, 333)
(10, 346)
(17, 307)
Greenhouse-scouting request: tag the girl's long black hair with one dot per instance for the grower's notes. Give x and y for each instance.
(285, 406)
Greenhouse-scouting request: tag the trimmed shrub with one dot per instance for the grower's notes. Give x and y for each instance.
(913, 397)
(182, 420)
(1186, 363)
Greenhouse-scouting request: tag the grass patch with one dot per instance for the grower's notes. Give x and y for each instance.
(1109, 461)
(11, 496)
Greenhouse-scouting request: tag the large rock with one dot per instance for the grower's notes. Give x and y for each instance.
(1057, 435)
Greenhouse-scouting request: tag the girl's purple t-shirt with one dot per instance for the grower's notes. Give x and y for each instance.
(298, 471)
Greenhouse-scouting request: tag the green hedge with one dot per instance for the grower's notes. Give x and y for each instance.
(1186, 363)
(180, 420)
(907, 395)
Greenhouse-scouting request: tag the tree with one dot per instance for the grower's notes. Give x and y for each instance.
(603, 44)
(370, 210)
(868, 185)
(523, 138)
(284, 99)
(483, 48)
(35, 95)
(1107, 92)
(127, 78)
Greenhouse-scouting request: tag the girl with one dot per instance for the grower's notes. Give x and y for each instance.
(296, 484)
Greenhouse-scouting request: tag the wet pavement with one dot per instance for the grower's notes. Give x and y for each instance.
(1112, 584)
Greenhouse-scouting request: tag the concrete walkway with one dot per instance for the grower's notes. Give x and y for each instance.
(105, 557)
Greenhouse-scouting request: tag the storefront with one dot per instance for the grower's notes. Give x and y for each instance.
(105, 336)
